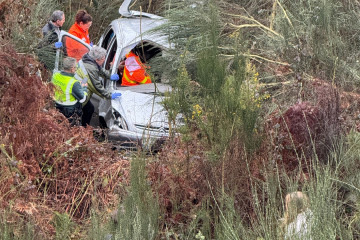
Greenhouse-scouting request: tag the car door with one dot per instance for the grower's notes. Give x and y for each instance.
(71, 47)
(110, 62)
(109, 42)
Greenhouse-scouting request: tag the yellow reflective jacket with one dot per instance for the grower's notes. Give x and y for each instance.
(63, 89)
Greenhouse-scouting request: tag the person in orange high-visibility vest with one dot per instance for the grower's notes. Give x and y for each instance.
(79, 29)
(134, 71)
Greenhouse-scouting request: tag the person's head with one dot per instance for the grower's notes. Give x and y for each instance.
(69, 64)
(295, 203)
(58, 18)
(83, 19)
(98, 54)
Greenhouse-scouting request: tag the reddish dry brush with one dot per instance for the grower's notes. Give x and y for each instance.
(49, 160)
(177, 180)
(293, 133)
(186, 179)
(12, 14)
(306, 129)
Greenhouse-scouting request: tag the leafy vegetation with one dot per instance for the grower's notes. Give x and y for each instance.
(269, 93)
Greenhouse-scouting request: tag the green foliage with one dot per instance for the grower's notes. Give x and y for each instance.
(21, 230)
(63, 225)
(323, 194)
(97, 230)
(191, 24)
(181, 99)
(219, 96)
(26, 32)
(137, 215)
(319, 38)
(348, 160)
(347, 165)
(5, 231)
(266, 221)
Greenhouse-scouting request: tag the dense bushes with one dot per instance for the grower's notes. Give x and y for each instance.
(259, 124)
(42, 157)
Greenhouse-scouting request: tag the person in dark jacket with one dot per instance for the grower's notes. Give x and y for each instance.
(90, 73)
(51, 33)
(69, 94)
(57, 20)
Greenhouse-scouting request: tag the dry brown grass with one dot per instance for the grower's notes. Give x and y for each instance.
(48, 164)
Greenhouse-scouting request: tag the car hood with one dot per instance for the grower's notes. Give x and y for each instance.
(141, 110)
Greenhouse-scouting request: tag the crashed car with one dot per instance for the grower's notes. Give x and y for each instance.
(137, 117)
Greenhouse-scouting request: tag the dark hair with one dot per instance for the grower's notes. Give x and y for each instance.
(82, 16)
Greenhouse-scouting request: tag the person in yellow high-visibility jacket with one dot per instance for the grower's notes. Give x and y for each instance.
(69, 94)
(134, 71)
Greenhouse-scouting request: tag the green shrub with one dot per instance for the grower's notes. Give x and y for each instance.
(319, 38)
(137, 214)
(22, 229)
(63, 225)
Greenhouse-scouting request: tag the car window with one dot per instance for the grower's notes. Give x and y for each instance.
(147, 52)
(110, 57)
(73, 48)
(111, 51)
(107, 39)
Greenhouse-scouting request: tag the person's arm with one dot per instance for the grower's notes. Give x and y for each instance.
(94, 78)
(78, 92)
(106, 73)
(52, 37)
(121, 68)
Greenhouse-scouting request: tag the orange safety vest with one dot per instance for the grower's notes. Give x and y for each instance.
(75, 49)
(77, 31)
(134, 71)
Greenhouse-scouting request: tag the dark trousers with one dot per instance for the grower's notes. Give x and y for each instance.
(88, 111)
(72, 113)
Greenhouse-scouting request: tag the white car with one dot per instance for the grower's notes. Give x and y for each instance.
(137, 117)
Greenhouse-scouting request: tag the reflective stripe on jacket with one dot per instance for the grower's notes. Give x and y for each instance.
(134, 71)
(81, 74)
(63, 89)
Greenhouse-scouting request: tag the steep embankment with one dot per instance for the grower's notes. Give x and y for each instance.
(45, 164)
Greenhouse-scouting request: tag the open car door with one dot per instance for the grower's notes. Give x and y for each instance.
(71, 47)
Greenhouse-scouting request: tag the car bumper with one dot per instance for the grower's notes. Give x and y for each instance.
(147, 140)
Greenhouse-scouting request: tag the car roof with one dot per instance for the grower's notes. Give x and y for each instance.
(129, 32)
